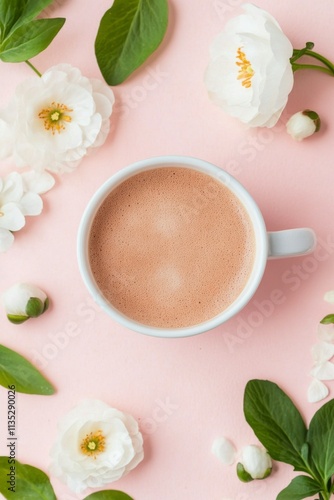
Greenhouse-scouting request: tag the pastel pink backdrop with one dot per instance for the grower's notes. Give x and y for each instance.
(184, 392)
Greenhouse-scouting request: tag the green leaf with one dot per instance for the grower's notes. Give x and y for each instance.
(30, 483)
(34, 307)
(128, 34)
(276, 422)
(17, 319)
(108, 495)
(321, 440)
(327, 319)
(299, 488)
(30, 39)
(242, 474)
(18, 371)
(14, 13)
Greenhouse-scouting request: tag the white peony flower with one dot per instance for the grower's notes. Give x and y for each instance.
(19, 196)
(96, 445)
(303, 124)
(250, 75)
(57, 118)
(255, 463)
(23, 301)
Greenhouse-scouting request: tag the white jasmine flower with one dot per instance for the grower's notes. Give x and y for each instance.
(96, 445)
(250, 75)
(19, 196)
(303, 124)
(255, 463)
(57, 118)
(23, 301)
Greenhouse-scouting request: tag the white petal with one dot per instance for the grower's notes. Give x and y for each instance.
(11, 217)
(31, 204)
(317, 391)
(6, 140)
(91, 132)
(38, 182)
(6, 239)
(224, 450)
(326, 332)
(104, 98)
(329, 297)
(12, 188)
(322, 351)
(323, 371)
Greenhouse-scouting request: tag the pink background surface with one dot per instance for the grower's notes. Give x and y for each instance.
(184, 392)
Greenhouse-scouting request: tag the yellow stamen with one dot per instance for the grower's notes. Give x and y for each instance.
(93, 444)
(246, 72)
(54, 117)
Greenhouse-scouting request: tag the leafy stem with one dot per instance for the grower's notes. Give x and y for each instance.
(280, 427)
(33, 68)
(326, 65)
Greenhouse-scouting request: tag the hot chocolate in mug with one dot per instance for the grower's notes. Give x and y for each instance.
(174, 246)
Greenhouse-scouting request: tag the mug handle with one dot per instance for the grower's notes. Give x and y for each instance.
(291, 242)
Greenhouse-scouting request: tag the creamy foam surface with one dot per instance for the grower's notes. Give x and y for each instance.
(171, 247)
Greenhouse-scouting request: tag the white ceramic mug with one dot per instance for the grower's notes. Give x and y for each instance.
(286, 243)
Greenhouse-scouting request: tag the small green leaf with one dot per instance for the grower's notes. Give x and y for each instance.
(267, 473)
(305, 450)
(128, 34)
(242, 474)
(108, 495)
(15, 369)
(321, 440)
(299, 488)
(29, 39)
(327, 319)
(275, 421)
(17, 319)
(29, 483)
(34, 307)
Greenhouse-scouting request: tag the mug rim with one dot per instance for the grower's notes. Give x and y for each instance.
(252, 209)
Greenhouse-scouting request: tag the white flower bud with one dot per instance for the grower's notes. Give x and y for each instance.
(303, 124)
(256, 461)
(23, 301)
